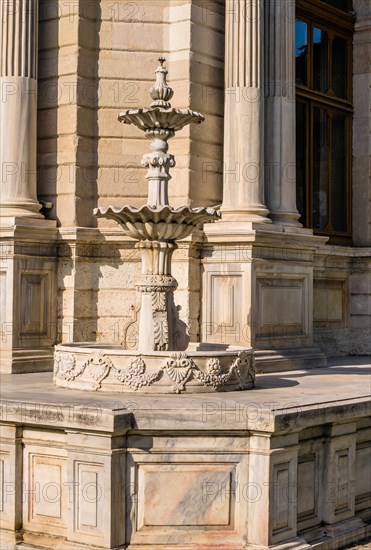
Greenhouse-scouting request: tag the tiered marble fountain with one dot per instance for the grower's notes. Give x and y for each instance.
(159, 365)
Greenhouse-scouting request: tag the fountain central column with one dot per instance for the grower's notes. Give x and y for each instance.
(156, 286)
(158, 163)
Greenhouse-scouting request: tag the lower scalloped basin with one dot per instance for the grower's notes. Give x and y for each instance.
(202, 368)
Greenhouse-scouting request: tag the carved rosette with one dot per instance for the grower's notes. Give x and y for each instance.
(214, 376)
(135, 377)
(65, 366)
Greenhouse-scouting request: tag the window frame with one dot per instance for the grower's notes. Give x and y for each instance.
(340, 23)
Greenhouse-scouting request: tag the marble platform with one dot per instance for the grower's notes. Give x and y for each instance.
(286, 465)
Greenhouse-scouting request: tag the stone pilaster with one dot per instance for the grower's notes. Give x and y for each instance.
(28, 269)
(243, 194)
(273, 504)
(280, 174)
(340, 448)
(18, 108)
(11, 483)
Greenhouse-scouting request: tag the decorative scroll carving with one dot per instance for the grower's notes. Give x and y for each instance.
(178, 366)
(132, 324)
(180, 329)
(214, 376)
(160, 321)
(135, 378)
(244, 367)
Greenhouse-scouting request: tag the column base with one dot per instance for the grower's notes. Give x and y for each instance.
(258, 214)
(286, 218)
(29, 209)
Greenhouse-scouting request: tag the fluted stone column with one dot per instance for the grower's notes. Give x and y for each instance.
(243, 192)
(280, 159)
(18, 108)
(29, 250)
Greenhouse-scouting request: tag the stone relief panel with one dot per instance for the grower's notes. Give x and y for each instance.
(340, 475)
(343, 496)
(283, 497)
(307, 490)
(330, 301)
(226, 310)
(363, 478)
(282, 309)
(224, 307)
(45, 476)
(2, 479)
(34, 300)
(186, 495)
(10, 478)
(34, 287)
(282, 511)
(189, 486)
(88, 503)
(310, 486)
(3, 300)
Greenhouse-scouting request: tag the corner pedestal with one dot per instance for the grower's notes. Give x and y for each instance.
(28, 290)
(258, 292)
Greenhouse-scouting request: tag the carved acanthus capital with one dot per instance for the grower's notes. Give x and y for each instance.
(158, 160)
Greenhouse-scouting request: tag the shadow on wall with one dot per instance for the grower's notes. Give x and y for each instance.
(68, 114)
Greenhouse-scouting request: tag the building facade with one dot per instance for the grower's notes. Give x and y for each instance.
(285, 152)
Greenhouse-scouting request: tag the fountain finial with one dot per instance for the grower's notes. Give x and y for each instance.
(161, 93)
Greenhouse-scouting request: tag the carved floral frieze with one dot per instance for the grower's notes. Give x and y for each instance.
(179, 367)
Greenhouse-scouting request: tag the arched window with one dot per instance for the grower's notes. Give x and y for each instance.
(324, 31)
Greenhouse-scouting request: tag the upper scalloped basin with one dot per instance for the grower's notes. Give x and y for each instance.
(161, 223)
(160, 117)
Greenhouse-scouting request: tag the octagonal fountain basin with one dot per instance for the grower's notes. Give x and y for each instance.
(202, 368)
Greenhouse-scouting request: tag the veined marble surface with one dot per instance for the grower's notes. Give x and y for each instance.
(315, 393)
